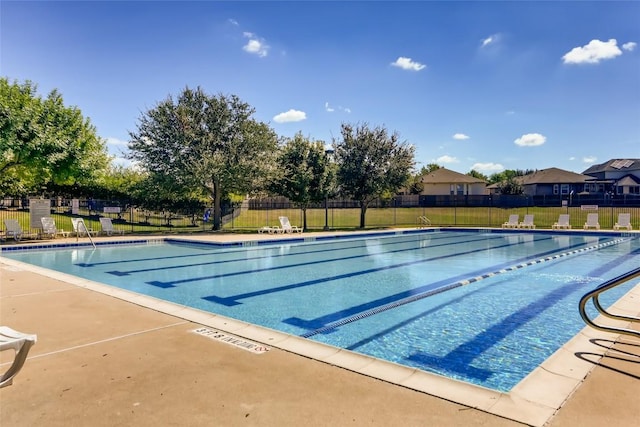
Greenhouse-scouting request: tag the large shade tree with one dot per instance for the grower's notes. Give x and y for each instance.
(371, 162)
(45, 143)
(203, 142)
(305, 173)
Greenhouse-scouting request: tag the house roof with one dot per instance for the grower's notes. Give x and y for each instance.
(446, 176)
(614, 165)
(628, 181)
(553, 176)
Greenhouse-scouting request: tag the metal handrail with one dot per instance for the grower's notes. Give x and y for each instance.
(423, 220)
(609, 284)
(86, 230)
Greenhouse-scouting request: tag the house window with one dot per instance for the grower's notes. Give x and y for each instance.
(564, 189)
(556, 187)
(456, 189)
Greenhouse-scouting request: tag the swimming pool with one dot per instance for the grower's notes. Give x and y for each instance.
(482, 307)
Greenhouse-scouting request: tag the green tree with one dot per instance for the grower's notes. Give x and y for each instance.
(429, 168)
(510, 186)
(508, 182)
(161, 193)
(43, 142)
(306, 175)
(207, 143)
(118, 182)
(415, 184)
(370, 163)
(474, 173)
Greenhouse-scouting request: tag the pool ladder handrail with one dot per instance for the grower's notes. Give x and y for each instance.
(423, 221)
(86, 230)
(594, 294)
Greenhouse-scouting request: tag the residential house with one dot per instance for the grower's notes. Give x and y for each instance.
(445, 182)
(552, 182)
(616, 176)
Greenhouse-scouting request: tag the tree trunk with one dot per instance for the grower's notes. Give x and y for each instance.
(217, 212)
(363, 211)
(304, 219)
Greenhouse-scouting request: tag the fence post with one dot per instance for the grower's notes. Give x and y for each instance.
(490, 210)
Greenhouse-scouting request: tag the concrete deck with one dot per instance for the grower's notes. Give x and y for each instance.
(106, 358)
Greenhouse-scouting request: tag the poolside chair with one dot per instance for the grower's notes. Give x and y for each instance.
(14, 230)
(107, 227)
(527, 222)
(513, 222)
(624, 221)
(592, 221)
(80, 228)
(268, 229)
(20, 343)
(49, 228)
(287, 227)
(563, 222)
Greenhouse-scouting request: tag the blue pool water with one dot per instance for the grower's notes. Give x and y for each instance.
(510, 298)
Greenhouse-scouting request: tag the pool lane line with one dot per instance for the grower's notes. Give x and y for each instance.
(233, 299)
(244, 249)
(173, 283)
(454, 285)
(121, 273)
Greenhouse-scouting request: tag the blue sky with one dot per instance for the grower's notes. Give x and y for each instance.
(484, 85)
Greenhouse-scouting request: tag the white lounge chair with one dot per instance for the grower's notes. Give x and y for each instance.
(527, 222)
(20, 343)
(14, 230)
(80, 228)
(624, 221)
(513, 222)
(592, 221)
(287, 227)
(563, 222)
(107, 227)
(270, 230)
(49, 228)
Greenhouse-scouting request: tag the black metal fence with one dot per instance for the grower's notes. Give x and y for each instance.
(401, 211)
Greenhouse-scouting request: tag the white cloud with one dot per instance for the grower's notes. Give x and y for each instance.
(233, 22)
(530, 140)
(487, 41)
(460, 136)
(447, 159)
(589, 159)
(493, 39)
(572, 158)
(629, 46)
(116, 142)
(331, 109)
(290, 116)
(255, 45)
(592, 53)
(487, 167)
(408, 64)
(125, 163)
(117, 148)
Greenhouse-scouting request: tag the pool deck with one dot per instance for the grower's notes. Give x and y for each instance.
(107, 358)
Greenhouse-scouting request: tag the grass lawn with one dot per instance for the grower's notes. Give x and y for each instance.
(344, 219)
